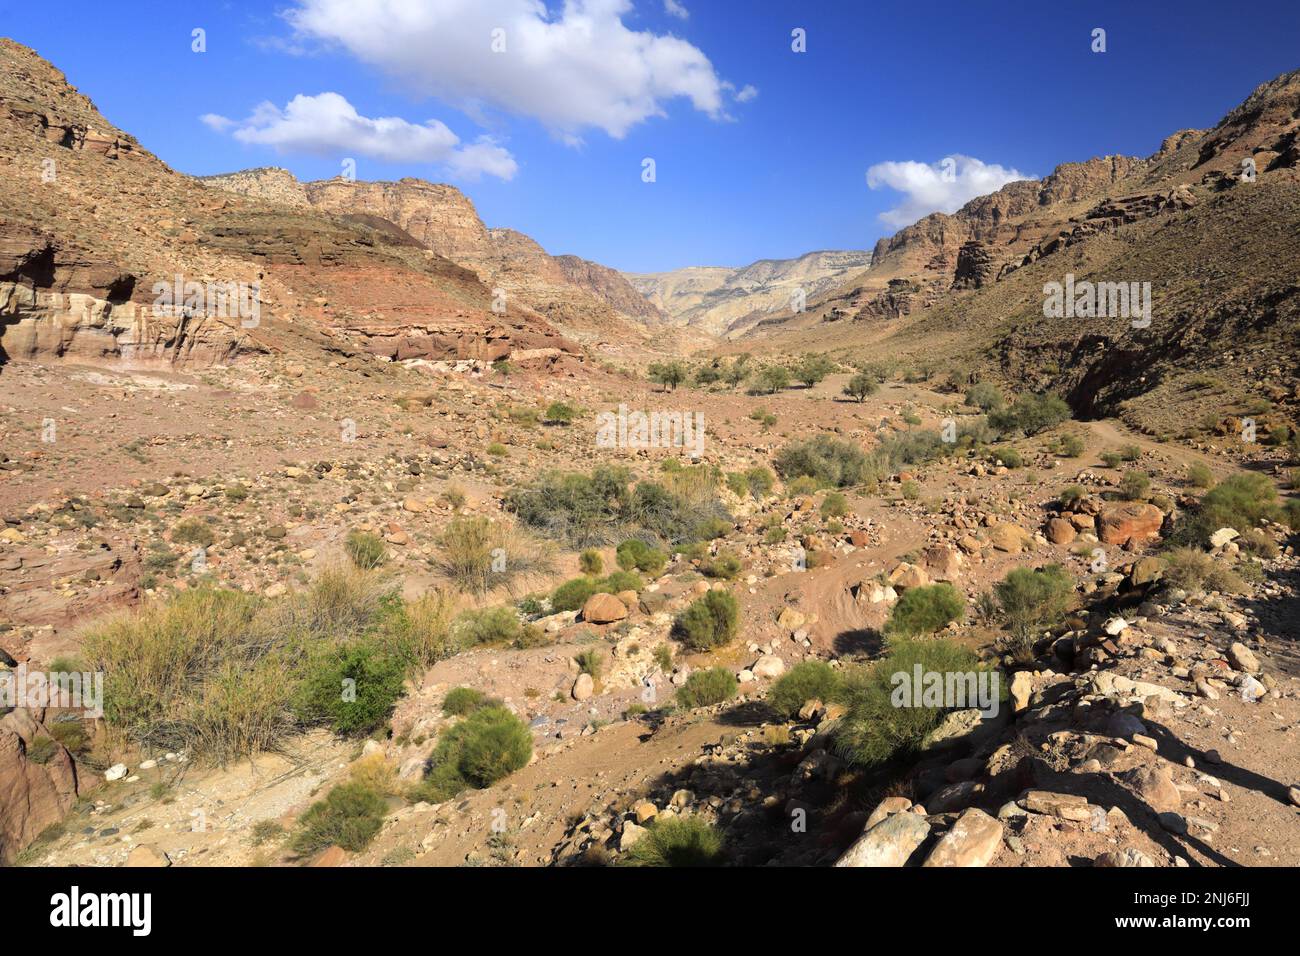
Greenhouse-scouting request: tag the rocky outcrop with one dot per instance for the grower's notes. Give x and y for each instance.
(37, 787)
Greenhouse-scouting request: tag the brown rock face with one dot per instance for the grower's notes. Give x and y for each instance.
(603, 609)
(1131, 523)
(1060, 531)
(33, 795)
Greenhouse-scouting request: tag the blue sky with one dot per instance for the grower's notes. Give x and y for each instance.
(760, 152)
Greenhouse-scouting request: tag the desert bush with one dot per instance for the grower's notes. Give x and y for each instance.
(479, 554)
(914, 447)
(367, 551)
(349, 817)
(560, 413)
(737, 483)
(1134, 486)
(352, 689)
(806, 681)
(489, 744)
(1199, 475)
(1130, 452)
(1192, 570)
(875, 731)
(710, 621)
(1030, 414)
(925, 610)
(1031, 600)
(1071, 446)
(985, 397)
(1010, 457)
(420, 630)
(489, 626)
(1070, 497)
(460, 701)
(910, 490)
(724, 566)
(835, 505)
(1256, 542)
(42, 749)
(676, 841)
(1112, 459)
(591, 562)
(635, 555)
(830, 461)
(194, 531)
(761, 481)
(705, 688)
(1238, 502)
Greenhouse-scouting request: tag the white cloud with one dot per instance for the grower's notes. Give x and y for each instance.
(747, 93)
(577, 68)
(327, 124)
(675, 9)
(944, 186)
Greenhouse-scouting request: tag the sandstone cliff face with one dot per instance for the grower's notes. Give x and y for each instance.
(90, 223)
(565, 289)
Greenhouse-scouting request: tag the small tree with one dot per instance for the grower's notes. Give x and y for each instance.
(812, 368)
(773, 378)
(736, 373)
(667, 374)
(861, 385)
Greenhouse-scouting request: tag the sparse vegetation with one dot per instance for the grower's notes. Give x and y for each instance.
(349, 817)
(925, 610)
(366, 551)
(705, 688)
(1030, 414)
(807, 680)
(710, 621)
(489, 744)
(677, 842)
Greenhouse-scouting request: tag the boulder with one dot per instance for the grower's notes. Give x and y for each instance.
(1155, 786)
(973, 841)
(1010, 538)
(33, 795)
(1060, 531)
(603, 609)
(769, 666)
(1131, 523)
(583, 687)
(908, 576)
(1243, 659)
(887, 808)
(889, 843)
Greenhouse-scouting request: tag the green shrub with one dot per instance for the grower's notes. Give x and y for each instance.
(1291, 513)
(676, 841)
(490, 626)
(875, 731)
(760, 481)
(1010, 457)
(835, 505)
(349, 817)
(489, 744)
(804, 682)
(706, 688)
(725, 566)
(589, 662)
(1256, 542)
(1031, 601)
(1239, 502)
(560, 413)
(636, 555)
(460, 701)
(1130, 452)
(925, 610)
(1134, 486)
(985, 397)
(590, 562)
(910, 490)
(914, 447)
(1112, 459)
(572, 595)
(1071, 446)
(710, 621)
(1030, 414)
(623, 581)
(352, 689)
(367, 551)
(667, 374)
(737, 483)
(1070, 497)
(831, 461)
